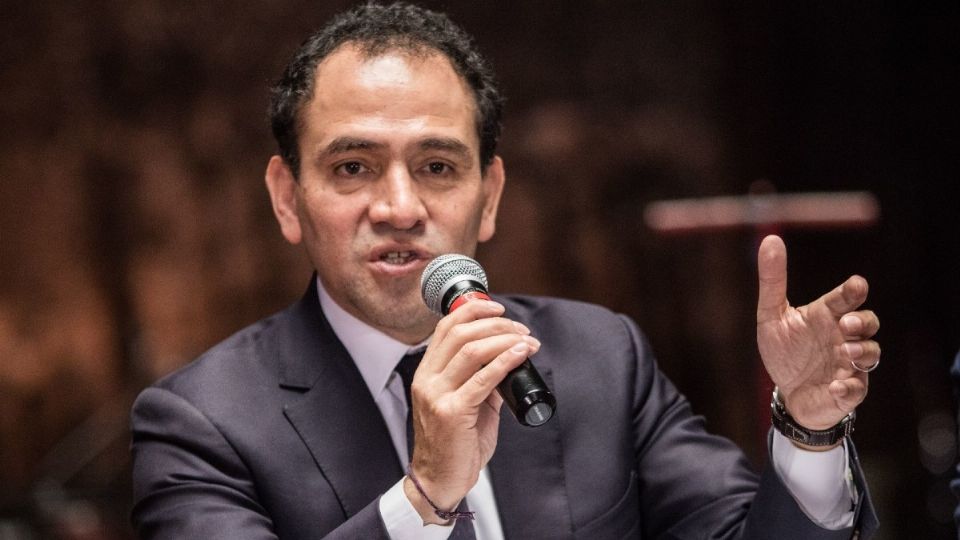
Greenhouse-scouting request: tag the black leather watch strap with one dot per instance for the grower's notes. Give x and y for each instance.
(790, 429)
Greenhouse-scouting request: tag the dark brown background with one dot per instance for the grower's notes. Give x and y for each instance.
(135, 231)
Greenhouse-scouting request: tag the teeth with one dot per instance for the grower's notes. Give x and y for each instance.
(397, 257)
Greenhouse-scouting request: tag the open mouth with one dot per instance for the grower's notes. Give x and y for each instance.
(398, 257)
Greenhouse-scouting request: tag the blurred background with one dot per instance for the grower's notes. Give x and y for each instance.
(135, 231)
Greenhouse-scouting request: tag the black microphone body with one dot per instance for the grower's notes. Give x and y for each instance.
(447, 283)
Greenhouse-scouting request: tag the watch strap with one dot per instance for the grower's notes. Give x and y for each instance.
(785, 424)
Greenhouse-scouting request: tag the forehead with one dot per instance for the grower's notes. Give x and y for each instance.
(393, 85)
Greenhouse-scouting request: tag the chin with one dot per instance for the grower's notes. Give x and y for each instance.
(407, 327)
(399, 312)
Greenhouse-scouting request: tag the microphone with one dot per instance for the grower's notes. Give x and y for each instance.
(447, 283)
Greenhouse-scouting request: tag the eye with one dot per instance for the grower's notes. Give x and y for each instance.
(351, 168)
(438, 167)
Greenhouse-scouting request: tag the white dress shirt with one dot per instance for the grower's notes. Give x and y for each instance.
(821, 482)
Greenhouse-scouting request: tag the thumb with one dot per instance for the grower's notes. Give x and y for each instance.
(772, 270)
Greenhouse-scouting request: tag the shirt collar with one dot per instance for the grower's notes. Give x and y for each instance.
(375, 353)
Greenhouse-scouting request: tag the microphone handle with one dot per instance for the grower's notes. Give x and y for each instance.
(527, 396)
(523, 389)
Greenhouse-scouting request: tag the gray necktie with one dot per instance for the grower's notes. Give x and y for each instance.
(463, 529)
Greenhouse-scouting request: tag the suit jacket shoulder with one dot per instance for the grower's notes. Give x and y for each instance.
(227, 446)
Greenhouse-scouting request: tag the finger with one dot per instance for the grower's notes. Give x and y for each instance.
(441, 351)
(476, 354)
(495, 401)
(488, 420)
(859, 324)
(863, 353)
(847, 297)
(849, 393)
(480, 385)
(470, 311)
(772, 270)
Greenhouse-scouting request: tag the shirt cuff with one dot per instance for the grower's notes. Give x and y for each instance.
(820, 482)
(402, 520)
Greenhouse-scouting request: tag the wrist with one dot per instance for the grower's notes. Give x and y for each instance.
(806, 438)
(420, 504)
(443, 510)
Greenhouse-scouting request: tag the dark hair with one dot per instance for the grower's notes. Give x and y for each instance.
(376, 29)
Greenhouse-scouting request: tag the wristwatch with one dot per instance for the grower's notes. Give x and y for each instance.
(790, 429)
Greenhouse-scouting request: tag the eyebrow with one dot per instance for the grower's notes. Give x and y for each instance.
(447, 144)
(341, 145)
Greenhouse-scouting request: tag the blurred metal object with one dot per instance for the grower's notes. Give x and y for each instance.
(844, 209)
(89, 439)
(68, 501)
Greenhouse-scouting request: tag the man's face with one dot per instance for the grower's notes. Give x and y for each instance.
(390, 178)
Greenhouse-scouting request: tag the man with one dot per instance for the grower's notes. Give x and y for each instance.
(387, 121)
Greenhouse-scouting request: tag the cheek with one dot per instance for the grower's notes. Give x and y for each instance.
(462, 218)
(329, 222)
(330, 246)
(332, 232)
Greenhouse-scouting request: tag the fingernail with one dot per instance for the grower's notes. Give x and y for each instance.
(851, 322)
(520, 348)
(532, 341)
(853, 350)
(521, 329)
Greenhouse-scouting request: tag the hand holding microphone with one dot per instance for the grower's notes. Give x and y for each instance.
(447, 283)
(454, 410)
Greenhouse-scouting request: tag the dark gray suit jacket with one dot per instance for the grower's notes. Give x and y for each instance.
(273, 433)
(955, 482)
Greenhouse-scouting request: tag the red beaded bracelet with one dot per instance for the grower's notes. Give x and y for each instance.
(442, 514)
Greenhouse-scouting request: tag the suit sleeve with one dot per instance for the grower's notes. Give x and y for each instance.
(955, 482)
(189, 482)
(698, 485)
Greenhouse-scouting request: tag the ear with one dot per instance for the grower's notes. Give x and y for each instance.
(283, 194)
(493, 180)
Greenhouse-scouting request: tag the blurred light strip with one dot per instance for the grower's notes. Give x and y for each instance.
(816, 209)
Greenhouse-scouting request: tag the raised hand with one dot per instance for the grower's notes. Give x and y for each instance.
(818, 354)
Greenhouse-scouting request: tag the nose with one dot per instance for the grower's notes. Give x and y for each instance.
(397, 201)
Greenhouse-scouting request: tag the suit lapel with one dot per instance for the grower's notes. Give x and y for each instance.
(528, 476)
(335, 416)
(332, 411)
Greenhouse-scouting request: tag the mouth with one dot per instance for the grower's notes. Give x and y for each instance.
(397, 261)
(398, 258)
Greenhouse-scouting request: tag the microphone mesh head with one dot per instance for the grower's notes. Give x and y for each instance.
(443, 272)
